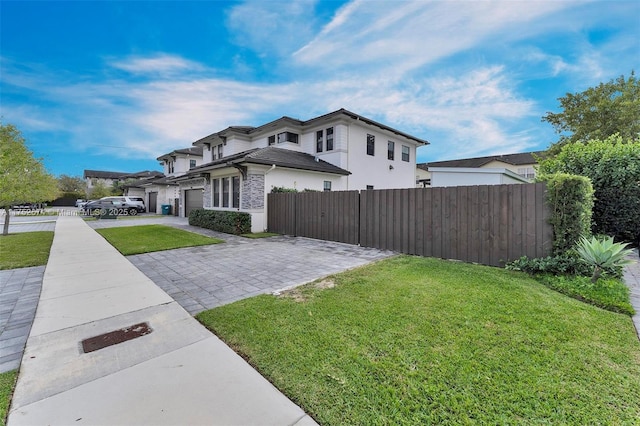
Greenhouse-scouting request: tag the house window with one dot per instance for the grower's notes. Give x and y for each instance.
(220, 151)
(327, 185)
(287, 137)
(330, 139)
(216, 193)
(527, 172)
(319, 141)
(236, 192)
(405, 153)
(170, 166)
(272, 140)
(371, 145)
(391, 146)
(369, 187)
(192, 164)
(225, 192)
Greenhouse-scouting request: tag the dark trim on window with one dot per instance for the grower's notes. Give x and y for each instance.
(391, 147)
(371, 145)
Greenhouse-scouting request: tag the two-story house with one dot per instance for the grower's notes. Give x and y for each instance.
(164, 190)
(333, 152)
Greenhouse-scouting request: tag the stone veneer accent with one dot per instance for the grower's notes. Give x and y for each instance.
(253, 192)
(206, 196)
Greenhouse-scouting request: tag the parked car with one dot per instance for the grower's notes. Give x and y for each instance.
(136, 202)
(97, 207)
(81, 202)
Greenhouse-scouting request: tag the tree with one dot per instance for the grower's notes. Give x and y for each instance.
(598, 112)
(100, 190)
(613, 165)
(23, 178)
(72, 185)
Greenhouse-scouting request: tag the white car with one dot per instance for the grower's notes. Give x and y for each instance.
(137, 202)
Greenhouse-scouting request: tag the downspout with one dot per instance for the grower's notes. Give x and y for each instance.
(264, 203)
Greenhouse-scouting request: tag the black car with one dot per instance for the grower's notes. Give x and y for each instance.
(109, 207)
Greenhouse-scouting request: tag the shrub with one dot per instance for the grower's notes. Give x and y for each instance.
(568, 263)
(570, 198)
(610, 293)
(222, 221)
(601, 254)
(613, 165)
(281, 189)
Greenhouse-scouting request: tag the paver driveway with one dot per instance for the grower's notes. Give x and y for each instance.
(205, 277)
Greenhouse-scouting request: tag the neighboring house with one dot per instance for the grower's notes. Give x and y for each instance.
(165, 190)
(333, 152)
(491, 170)
(94, 177)
(126, 180)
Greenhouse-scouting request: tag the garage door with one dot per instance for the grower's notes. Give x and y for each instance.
(192, 200)
(153, 202)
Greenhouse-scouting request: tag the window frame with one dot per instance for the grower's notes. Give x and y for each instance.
(391, 150)
(235, 192)
(216, 192)
(371, 145)
(319, 140)
(329, 140)
(408, 153)
(225, 192)
(326, 186)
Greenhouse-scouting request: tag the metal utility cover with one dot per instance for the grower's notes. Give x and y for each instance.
(114, 337)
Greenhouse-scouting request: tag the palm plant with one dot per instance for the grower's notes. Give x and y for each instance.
(603, 254)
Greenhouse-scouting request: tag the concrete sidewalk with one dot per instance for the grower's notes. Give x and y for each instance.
(179, 373)
(632, 280)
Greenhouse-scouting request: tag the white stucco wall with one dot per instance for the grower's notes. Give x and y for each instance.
(377, 170)
(456, 176)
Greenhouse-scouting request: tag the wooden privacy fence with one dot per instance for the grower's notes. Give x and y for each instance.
(487, 224)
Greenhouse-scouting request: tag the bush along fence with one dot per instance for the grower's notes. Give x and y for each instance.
(221, 221)
(487, 224)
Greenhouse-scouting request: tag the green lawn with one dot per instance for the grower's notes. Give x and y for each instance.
(25, 249)
(423, 341)
(257, 235)
(148, 238)
(7, 382)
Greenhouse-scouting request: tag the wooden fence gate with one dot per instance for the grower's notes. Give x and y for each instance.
(487, 224)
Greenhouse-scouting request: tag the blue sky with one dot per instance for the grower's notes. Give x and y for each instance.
(112, 85)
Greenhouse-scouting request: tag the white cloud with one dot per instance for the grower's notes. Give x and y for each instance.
(404, 35)
(269, 27)
(159, 64)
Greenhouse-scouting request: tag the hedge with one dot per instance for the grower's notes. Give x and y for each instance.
(222, 221)
(571, 200)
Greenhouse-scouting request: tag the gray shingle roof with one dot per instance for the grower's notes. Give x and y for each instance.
(193, 150)
(283, 121)
(514, 159)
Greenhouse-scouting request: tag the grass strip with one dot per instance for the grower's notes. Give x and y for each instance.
(25, 249)
(257, 235)
(130, 240)
(423, 341)
(7, 384)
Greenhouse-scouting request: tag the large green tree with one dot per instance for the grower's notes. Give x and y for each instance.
(72, 185)
(598, 112)
(613, 165)
(23, 178)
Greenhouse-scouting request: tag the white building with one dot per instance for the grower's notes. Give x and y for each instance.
(334, 152)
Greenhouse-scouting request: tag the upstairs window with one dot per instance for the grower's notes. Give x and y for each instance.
(405, 153)
(192, 164)
(371, 145)
(330, 139)
(319, 141)
(272, 140)
(391, 146)
(220, 151)
(327, 185)
(527, 172)
(287, 137)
